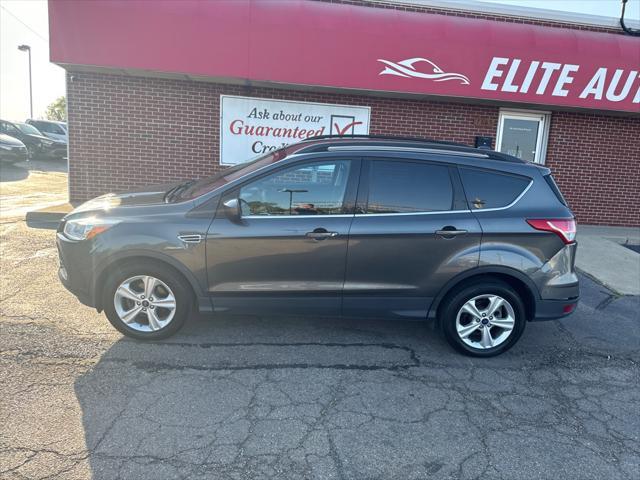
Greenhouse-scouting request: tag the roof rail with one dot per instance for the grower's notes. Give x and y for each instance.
(413, 143)
(387, 137)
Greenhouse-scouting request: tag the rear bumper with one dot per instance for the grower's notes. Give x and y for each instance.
(554, 309)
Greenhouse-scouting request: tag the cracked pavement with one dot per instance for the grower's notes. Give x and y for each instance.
(305, 398)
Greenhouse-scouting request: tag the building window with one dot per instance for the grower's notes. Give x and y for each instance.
(523, 134)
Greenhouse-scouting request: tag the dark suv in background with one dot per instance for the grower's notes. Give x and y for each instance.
(477, 240)
(38, 145)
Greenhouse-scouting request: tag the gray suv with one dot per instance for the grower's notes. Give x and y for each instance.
(479, 241)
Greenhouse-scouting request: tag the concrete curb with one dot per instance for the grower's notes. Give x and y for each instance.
(48, 217)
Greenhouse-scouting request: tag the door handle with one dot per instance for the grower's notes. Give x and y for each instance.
(321, 234)
(450, 232)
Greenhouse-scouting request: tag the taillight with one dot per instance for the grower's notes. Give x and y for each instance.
(565, 229)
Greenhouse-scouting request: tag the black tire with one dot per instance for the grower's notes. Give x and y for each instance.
(455, 301)
(181, 289)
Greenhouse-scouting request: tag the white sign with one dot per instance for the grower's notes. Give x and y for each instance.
(253, 126)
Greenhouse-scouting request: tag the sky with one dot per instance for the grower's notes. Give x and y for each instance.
(26, 22)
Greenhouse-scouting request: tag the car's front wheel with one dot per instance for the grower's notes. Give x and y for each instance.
(147, 302)
(483, 319)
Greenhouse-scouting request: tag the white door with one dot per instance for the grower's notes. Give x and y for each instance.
(523, 134)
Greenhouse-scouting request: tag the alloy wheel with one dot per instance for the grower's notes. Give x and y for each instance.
(145, 303)
(485, 321)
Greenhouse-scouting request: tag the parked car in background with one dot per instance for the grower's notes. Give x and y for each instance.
(12, 150)
(480, 241)
(51, 129)
(38, 145)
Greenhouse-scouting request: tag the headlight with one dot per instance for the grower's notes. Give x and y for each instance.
(86, 228)
(46, 143)
(6, 147)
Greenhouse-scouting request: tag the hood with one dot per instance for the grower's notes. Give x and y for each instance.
(58, 137)
(7, 140)
(37, 137)
(142, 197)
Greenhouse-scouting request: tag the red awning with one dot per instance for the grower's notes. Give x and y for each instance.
(352, 47)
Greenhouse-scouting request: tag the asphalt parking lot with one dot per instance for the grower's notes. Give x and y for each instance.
(300, 398)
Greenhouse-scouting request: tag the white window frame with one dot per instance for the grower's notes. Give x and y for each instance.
(543, 118)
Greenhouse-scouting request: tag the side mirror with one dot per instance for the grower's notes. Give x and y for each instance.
(232, 209)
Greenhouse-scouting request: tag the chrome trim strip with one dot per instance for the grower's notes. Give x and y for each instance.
(385, 148)
(299, 216)
(440, 212)
(479, 210)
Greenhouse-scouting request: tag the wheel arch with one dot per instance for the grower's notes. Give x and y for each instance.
(525, 287)
(128, 258)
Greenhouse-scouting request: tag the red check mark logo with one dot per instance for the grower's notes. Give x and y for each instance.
(345, 129)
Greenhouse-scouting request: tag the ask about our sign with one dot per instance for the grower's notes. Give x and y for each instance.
(253, 126)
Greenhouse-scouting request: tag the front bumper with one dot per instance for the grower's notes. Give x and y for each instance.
(75, 270)
(54, 152)
(17, 154)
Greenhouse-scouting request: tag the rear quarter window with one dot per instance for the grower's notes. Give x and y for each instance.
(486, 189)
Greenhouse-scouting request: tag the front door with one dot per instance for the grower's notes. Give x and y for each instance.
(287, 253)
(413, 233)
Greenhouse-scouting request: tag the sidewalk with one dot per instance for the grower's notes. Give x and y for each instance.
(601, 255)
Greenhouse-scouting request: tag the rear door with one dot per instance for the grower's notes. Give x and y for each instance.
(287, 254)
(412, 232)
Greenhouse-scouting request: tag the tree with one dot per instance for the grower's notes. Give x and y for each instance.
(57, 110)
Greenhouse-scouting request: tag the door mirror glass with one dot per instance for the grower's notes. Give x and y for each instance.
(232, 209)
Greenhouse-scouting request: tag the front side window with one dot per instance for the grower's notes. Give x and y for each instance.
(408, 187)
(309, 189)
(523, 135)
(486, 189)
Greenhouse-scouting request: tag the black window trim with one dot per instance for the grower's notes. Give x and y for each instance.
(348, 202)
(458, 202)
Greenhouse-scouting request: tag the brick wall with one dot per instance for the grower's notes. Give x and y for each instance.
(128, 131)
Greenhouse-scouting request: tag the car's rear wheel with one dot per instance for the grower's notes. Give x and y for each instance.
(147, 302)
(483, 319)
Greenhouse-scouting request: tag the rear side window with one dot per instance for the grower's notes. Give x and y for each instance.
(491, 189)
(407, 187)
(554, 188)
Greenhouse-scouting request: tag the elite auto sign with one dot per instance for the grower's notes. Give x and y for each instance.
(356, 48)
(253, 126)
(544, 78)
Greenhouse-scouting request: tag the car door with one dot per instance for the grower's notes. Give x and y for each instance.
(287, 251)
(412, 233)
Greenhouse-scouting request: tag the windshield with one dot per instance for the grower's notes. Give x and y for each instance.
(28, 129)
(49, 127)
(230, 174)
